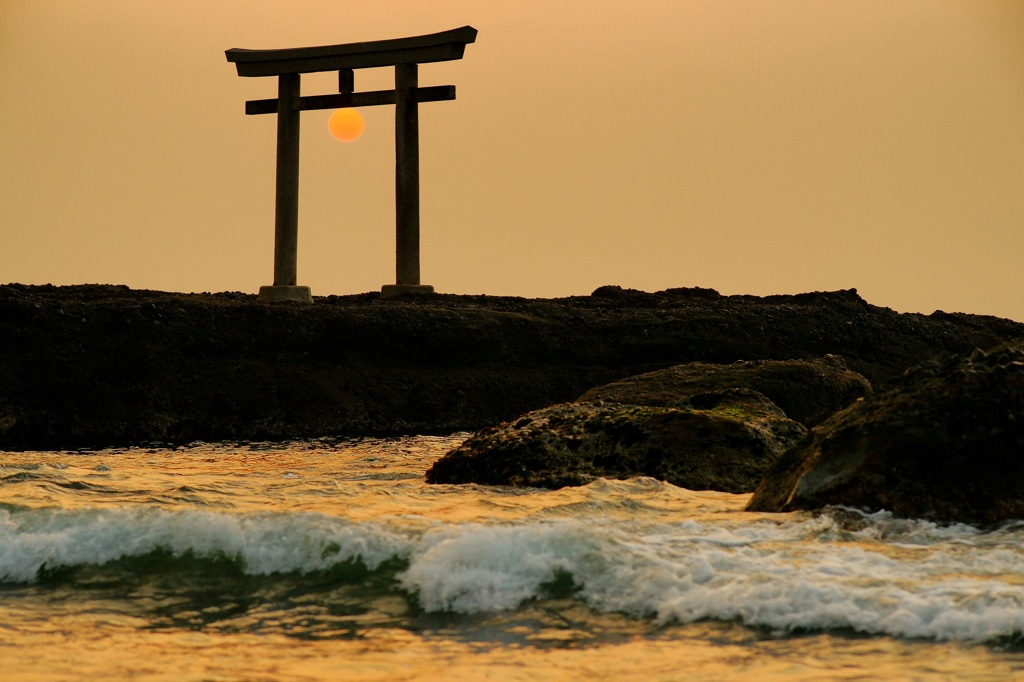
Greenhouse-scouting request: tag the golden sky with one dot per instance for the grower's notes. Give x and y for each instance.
(751, 146)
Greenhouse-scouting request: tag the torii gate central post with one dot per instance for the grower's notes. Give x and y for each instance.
(405, 54)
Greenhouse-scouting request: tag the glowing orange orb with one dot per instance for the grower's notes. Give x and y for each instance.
(346, 125)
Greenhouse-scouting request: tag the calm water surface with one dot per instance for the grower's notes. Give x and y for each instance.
(332, 560)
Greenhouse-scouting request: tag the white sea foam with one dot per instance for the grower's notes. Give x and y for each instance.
(886, 576)
(779, 575)
(475, 567)
(263, 543)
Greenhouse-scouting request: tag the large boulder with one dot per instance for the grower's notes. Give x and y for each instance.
(808, 391)
(727, 445)
(944, 441)
(699, 426)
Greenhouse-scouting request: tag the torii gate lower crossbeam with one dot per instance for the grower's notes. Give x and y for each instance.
(404, 54)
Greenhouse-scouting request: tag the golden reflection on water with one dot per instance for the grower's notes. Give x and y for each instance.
(149, 630)
(344, 479)
(72, 649)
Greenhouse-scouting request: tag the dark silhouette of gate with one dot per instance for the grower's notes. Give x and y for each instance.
(405, 54)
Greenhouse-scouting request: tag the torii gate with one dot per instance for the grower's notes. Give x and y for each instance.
(405, 54)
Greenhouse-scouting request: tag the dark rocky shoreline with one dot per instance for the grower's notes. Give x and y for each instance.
(97, 365)
(943, 441)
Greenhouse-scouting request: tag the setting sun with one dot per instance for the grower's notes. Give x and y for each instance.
(346, 125)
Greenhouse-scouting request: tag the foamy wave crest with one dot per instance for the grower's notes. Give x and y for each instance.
(790, 572)
(474, 567)
(785, 576)
(261, 543)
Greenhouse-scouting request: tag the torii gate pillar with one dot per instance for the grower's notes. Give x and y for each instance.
(407, 186)
(286, 205)
(405, 54)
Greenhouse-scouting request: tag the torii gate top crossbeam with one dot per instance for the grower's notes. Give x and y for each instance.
(435, 47)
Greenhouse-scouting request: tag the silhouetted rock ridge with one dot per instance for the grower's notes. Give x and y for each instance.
(91, 365)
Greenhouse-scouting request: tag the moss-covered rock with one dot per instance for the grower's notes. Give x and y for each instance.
(808, 391)
(727, 445)
(700, 426)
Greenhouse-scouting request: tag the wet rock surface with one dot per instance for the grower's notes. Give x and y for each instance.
(726, 445)
(98, 365)
(945, 441)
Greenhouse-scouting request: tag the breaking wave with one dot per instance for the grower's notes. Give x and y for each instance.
(878, 575)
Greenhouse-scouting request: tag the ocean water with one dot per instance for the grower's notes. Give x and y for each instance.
(332, 560)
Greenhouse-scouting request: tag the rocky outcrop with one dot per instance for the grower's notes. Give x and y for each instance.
(945, 441)
(726, 445)
(699, 426)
